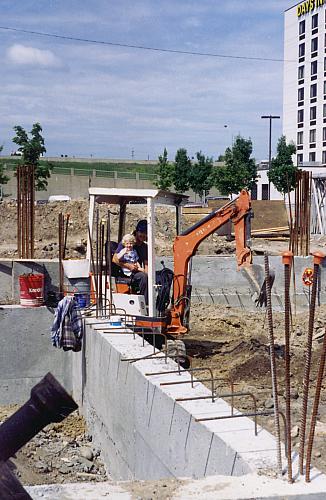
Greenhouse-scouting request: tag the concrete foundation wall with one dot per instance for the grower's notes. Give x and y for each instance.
(215, 280)
(26, 352)
(143, 432)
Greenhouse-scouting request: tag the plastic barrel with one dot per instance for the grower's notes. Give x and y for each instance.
(31, 290)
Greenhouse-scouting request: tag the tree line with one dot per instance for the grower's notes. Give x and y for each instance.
(239, 170)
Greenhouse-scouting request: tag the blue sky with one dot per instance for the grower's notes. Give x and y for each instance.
(106, 101)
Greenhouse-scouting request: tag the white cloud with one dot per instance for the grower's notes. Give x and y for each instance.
(30, 56)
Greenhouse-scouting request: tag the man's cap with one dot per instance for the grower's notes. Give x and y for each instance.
(142, 226)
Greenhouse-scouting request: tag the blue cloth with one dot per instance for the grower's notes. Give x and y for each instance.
(67, 328)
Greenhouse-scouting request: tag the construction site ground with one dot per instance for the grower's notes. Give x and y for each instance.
(233, 342)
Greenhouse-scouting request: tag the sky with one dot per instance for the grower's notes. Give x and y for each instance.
(106, 101)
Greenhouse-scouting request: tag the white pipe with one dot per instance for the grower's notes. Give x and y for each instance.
(151, 256)
(90, 224)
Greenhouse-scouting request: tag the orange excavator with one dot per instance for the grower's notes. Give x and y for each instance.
(185, 246)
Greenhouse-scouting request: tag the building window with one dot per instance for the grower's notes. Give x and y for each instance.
(314, 21)
(302, 27)
(312, 156)
(301, 94)
(254, 192)
(314, 68)
(300, 138)
(302, 50)
(313, 113)
(301, 71)
(300, 159)
(314, 44)
(323, 159)
(300, 115)
(324, 133)
(312, 135)
(324, 111)
(313, 90)
(264, 191)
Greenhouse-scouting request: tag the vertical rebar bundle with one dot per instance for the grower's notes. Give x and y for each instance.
(25, 211)
(287, 261)
(300, 226)
(273, 363)
(318, 258)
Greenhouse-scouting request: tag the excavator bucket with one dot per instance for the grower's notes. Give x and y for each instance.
(255, 275)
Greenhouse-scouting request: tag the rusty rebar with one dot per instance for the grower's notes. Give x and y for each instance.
(318, 257)
(273, 363)
(315, 408)
(287, 261)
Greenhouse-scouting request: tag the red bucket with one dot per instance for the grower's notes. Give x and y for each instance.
(31, 290)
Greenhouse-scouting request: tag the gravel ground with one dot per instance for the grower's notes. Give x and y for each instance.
(60, 453)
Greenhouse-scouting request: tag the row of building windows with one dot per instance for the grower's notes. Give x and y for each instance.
(313, 113)
(314, 25)
(312, 136)
(314, 48)
(313, 92)
(313, 70)
(312, 157)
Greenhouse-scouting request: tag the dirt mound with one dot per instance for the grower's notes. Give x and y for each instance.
(46, 229)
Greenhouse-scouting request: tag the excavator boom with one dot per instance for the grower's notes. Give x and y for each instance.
(186, 244)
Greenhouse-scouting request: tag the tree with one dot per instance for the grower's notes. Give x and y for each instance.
(32, 148)
(3, 178)
(182, 166)
(200, 176)
(165, 172)
(282, 171)
(239, 171)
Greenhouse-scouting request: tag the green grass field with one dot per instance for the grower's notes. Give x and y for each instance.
(124, 170)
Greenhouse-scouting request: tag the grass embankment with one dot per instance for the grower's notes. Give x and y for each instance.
(88, 167)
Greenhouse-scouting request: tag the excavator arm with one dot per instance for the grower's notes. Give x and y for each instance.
(186, 244)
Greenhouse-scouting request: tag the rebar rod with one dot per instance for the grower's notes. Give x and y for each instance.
(66, 236)
(273, 363)
(96, 275)
(315, 408)
(287, 261)
(318, 257)
(19, 250)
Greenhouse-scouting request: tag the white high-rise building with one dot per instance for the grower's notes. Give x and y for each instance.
(304, 99)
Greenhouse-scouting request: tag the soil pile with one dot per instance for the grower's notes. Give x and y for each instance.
(46, 229)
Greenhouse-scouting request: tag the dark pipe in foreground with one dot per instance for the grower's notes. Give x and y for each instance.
(49, 402)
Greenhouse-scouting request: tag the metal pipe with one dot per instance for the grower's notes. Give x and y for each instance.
(318, 258)
(49, 402)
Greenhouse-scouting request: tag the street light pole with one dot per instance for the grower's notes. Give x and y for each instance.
(270, 118)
